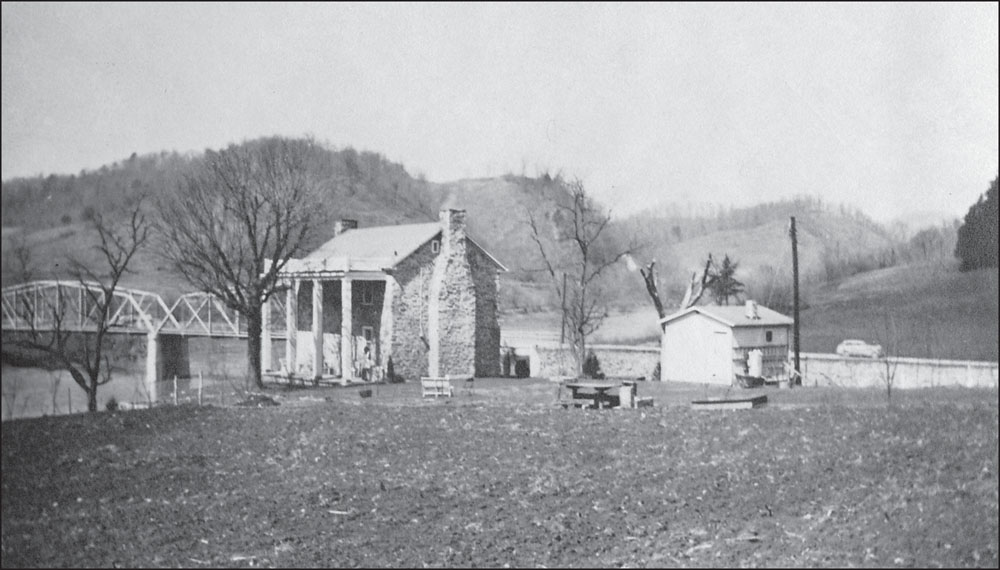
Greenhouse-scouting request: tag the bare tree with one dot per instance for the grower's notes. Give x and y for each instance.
(696, 288)
(236, 222)
(83, 353)
(887, 334)
(575, 258)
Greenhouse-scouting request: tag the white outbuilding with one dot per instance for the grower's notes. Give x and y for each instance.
(713, 343)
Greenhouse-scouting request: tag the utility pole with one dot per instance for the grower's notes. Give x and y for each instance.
(795, 292)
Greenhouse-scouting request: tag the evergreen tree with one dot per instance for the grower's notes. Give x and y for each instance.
(977, 238)
(726, 284)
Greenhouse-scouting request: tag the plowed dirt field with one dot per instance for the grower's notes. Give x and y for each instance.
(502, 477)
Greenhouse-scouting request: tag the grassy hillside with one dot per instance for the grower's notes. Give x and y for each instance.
(499, 211)
(938, 311)
(53, 248)
(832, 241)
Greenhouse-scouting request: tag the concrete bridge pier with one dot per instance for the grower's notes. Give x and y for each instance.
(153, 365)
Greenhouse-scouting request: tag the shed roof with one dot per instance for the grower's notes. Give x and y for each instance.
(734, 316)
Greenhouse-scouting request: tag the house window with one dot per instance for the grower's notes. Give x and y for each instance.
(367, 295)
(368, 333)
(768, 336)
(435, 246)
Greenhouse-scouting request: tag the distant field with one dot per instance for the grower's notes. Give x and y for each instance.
(638, 326)
(939, 313)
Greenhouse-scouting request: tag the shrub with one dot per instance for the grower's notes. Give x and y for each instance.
(656, 373)
(592, 366)
(112, 404)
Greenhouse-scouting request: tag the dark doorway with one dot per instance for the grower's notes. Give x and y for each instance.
(522, 368)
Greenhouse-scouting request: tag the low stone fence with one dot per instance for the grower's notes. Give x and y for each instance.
(616, 360)
(834, 370)
(553, 361)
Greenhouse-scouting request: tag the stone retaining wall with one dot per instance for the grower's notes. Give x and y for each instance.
(623, 361)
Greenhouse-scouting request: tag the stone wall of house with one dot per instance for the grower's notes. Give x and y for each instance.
(487, 287)
(409, 340)
(452, 302)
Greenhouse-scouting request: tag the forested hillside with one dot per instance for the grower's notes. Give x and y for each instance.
(49, 216)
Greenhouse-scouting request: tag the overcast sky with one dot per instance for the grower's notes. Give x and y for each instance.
(891, 108)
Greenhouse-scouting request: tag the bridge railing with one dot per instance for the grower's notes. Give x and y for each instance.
(75, 306)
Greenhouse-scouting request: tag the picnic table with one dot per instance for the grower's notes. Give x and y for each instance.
(603, 394)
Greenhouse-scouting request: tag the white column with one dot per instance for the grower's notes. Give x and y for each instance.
(291, 324)
(265, 336)
(346, 326)
(317, 328)
(386, 326)
(152, 364)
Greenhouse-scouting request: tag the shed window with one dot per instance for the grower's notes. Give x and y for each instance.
(367, 295)
(768, 336)
(435, 246)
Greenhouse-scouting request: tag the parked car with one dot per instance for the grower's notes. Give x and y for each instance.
(860, 348)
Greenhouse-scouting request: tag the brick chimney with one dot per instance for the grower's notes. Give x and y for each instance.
(751, 310)
(341, 226)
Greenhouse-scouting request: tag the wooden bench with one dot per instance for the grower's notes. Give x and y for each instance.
(436, 386)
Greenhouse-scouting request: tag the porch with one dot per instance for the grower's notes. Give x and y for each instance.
(330, 319)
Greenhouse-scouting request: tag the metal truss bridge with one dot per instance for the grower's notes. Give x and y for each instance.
(74, 306)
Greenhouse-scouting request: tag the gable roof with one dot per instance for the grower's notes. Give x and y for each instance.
(734, 316)
(376, 248)
(391, 244)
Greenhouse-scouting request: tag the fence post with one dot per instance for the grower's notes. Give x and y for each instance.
(69, 398)
(199, 387)
(175, 389)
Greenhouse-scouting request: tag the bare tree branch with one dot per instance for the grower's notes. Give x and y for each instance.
(579, 237)
(92, 368)
(237, 221)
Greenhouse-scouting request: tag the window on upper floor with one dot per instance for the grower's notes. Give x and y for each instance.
(435, 246)
(768, 336)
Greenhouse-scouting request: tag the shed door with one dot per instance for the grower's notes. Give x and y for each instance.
(720, 361)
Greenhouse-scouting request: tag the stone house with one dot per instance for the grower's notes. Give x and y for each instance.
(424, 294)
